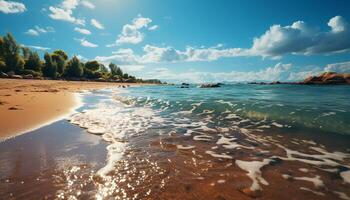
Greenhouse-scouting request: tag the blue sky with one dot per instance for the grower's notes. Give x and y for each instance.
(187, 40)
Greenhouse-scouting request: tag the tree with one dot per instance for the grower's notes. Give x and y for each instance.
(74, 68)
(61, 53)
(60, 61)
(10, 53)
(25, 52)
(2, 65)
(115, 70)
(50, 69)
(92, 65)
(33, 62)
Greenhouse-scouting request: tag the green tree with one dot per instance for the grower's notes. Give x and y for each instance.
(74, 68)
(61, 53)
(10, 53)
(33, 62)
(92, 65)
(26, 53)
(2, 65)
(60, 61)
(50, 68)
(115, 70)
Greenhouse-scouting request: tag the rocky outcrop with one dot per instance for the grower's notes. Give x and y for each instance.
(210, 85)
(328, 78)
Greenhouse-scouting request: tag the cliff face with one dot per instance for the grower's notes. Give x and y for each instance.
(328, 78)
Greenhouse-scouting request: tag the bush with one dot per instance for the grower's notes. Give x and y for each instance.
(32, 72)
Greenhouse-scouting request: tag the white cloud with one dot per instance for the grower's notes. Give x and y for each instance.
(10, 7)
(154, 27)
(278, 72)
(131, 33)
(132, 68)
(299, 38)
(97, 24)
(155, 54)
(82, 31)
(88, 4)
(36, 31)
(86, 43)
(82, 58)
(64, 12)
(32, 32)
(40, 48)
(343, 67)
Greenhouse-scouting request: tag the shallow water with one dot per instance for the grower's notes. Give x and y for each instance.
(234, 142)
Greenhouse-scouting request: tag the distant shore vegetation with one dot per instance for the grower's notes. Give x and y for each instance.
(19, 60)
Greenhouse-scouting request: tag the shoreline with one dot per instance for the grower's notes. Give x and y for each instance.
(27, 105)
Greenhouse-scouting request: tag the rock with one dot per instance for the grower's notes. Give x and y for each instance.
(28, 76)
(331, 78)
(3, 75)
(11, 73)
(16, 77)
(210, 85)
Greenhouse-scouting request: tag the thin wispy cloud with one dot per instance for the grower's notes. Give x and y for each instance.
(39, 48)
(11, 7)
(86, 43)
(82, 31)
(97, 24)
(154, 27)
(88, 4)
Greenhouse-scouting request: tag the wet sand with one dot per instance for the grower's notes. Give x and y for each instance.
(26, 105)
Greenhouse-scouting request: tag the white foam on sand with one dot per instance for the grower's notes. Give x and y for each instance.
(216, 155)
(313, 191)
(318, 183)
(254, 172)
(342, 195)
(346, 176)
(229, 143)
(115, 120)
(185, 147)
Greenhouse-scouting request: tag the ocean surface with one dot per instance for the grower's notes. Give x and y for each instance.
(238, 141)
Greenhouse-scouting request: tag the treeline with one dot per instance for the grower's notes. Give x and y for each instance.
(16, 59)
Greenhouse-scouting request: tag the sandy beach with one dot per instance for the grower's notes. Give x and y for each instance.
(26, 105)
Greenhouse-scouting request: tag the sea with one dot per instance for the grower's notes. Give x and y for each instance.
(238, 141)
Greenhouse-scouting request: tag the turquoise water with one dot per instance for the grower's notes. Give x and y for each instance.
(321, 108)
(260, 140)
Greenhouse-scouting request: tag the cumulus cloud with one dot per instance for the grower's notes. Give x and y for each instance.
(82, 31)
(278, 72)
(86, 43)
(343, 67)
(97, 24)
(64, 12)
(36, 31)
(10, 7)
(131, 33)
(300, 38)
(155, 54)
